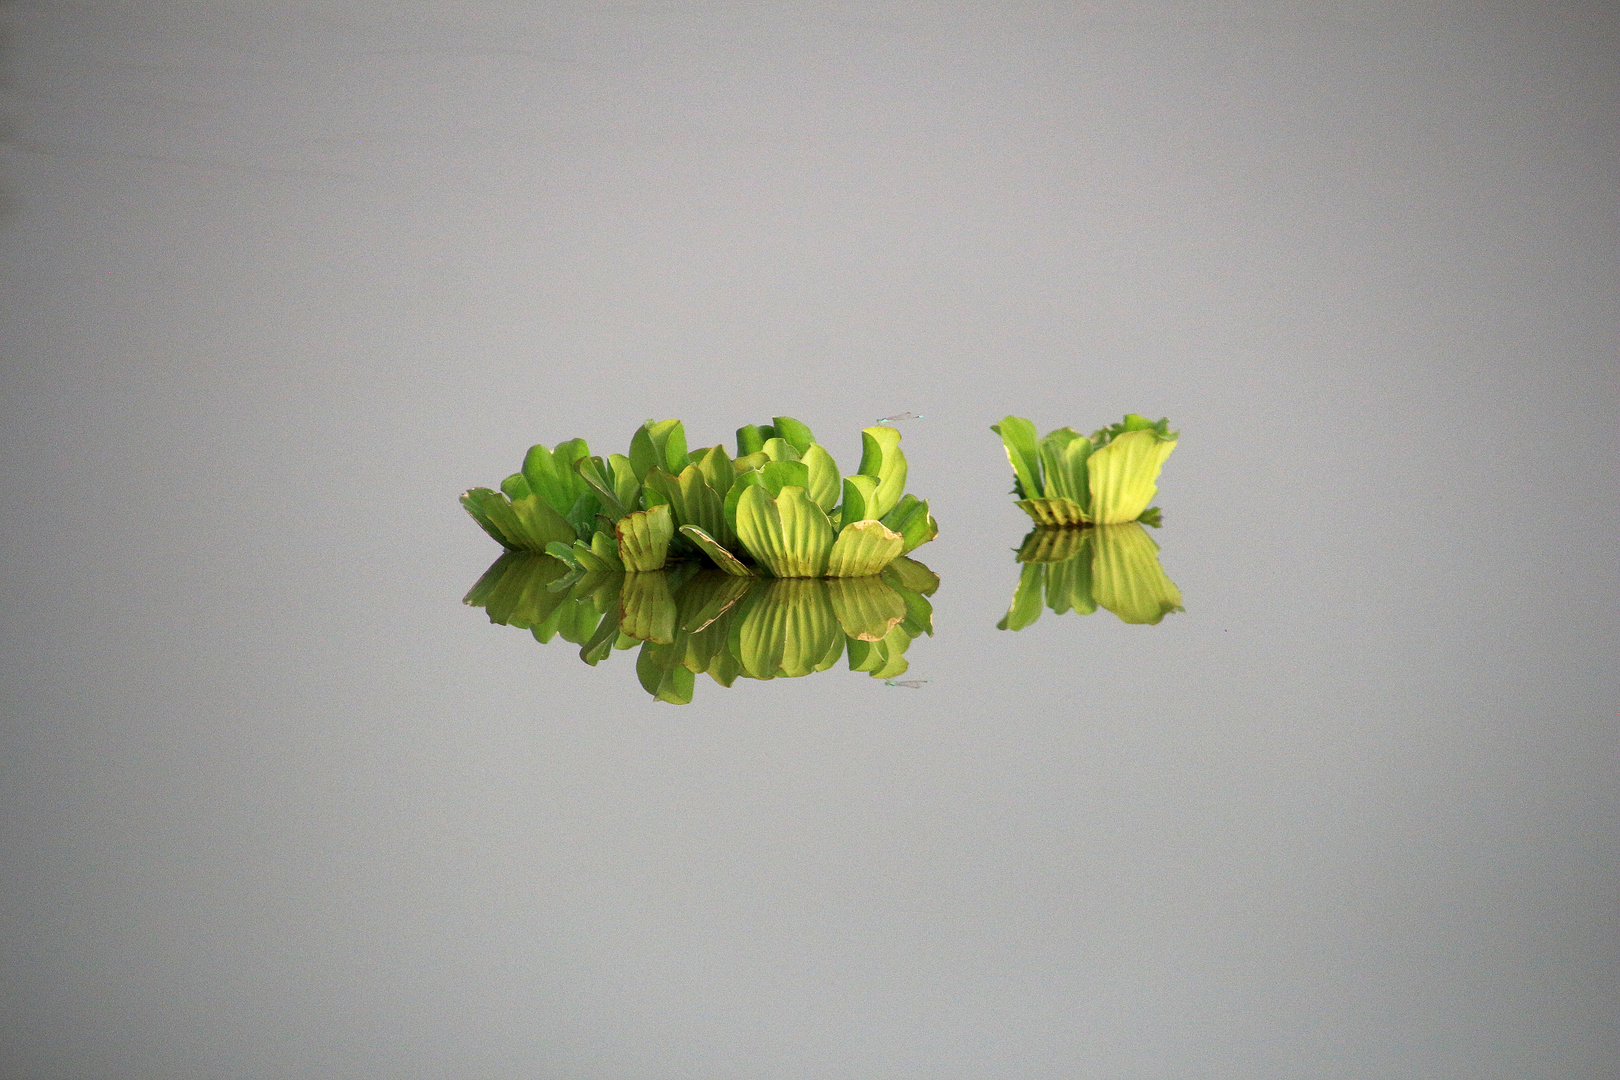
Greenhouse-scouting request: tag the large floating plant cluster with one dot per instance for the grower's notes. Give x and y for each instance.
(1068, 479)
(778, 508)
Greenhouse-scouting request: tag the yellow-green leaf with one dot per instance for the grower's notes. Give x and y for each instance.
(644, 538)
(862, 548)
(789, 536)
(1122, 475)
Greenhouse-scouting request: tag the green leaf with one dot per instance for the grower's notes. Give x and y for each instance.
(717, 470)
(1018, 436)
(751, 438)
(881, 458)
(789, 536)
(660, 443)
(1126, 577)
(551, 475)
(562, 551)
(514, 486)
(644, 538)
(1053, 512)
(859, 493)
(794, 432)
(1122, 475)
(863, 548)
(491, 509)
(626, 484)
(724, 559)
(540, 524)
(911, 519)
(824, 484)
(1063, 456)
(591, 474)
(777, 475)
(780, 449)
(751, 478)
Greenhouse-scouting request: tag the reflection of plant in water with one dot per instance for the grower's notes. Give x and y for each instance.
(691, 619)
(1110, 566)
(1069, 479)
(779, 508)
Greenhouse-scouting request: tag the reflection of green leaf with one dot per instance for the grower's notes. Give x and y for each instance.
(646, 608)
(1126, 576)
(1026, 602)
(688, 620)
(866, 608)
(1115, 567)
(862, 548)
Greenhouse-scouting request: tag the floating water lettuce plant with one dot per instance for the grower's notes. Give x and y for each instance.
(1115, 567)
(691, 619)
(1069, 479)
(779, 508)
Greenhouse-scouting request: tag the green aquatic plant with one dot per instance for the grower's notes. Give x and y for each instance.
(691, 619)
(778, 508)
(1114, 567)
(1068, 479)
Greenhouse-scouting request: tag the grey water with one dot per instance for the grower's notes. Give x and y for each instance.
(281, 280)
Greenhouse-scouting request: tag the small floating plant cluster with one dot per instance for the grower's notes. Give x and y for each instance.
(779, 508)
(1067, 479)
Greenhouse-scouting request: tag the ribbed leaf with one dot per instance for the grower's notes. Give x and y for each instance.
(1126, 577)
(881, 458)
(789, 536)
(724, 559)
(866, 607)
(644, 538)
(1053, 511)
(862, 548)
(745, 480)
(1122, 475)
(1018, 436)
(1063, 456)
(824, 485)
(794, 432)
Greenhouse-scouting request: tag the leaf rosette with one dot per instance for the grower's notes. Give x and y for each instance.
(1068, 479)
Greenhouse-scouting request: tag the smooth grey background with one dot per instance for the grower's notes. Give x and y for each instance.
(280, 280)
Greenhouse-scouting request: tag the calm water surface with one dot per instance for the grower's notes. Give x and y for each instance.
(278, 286)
